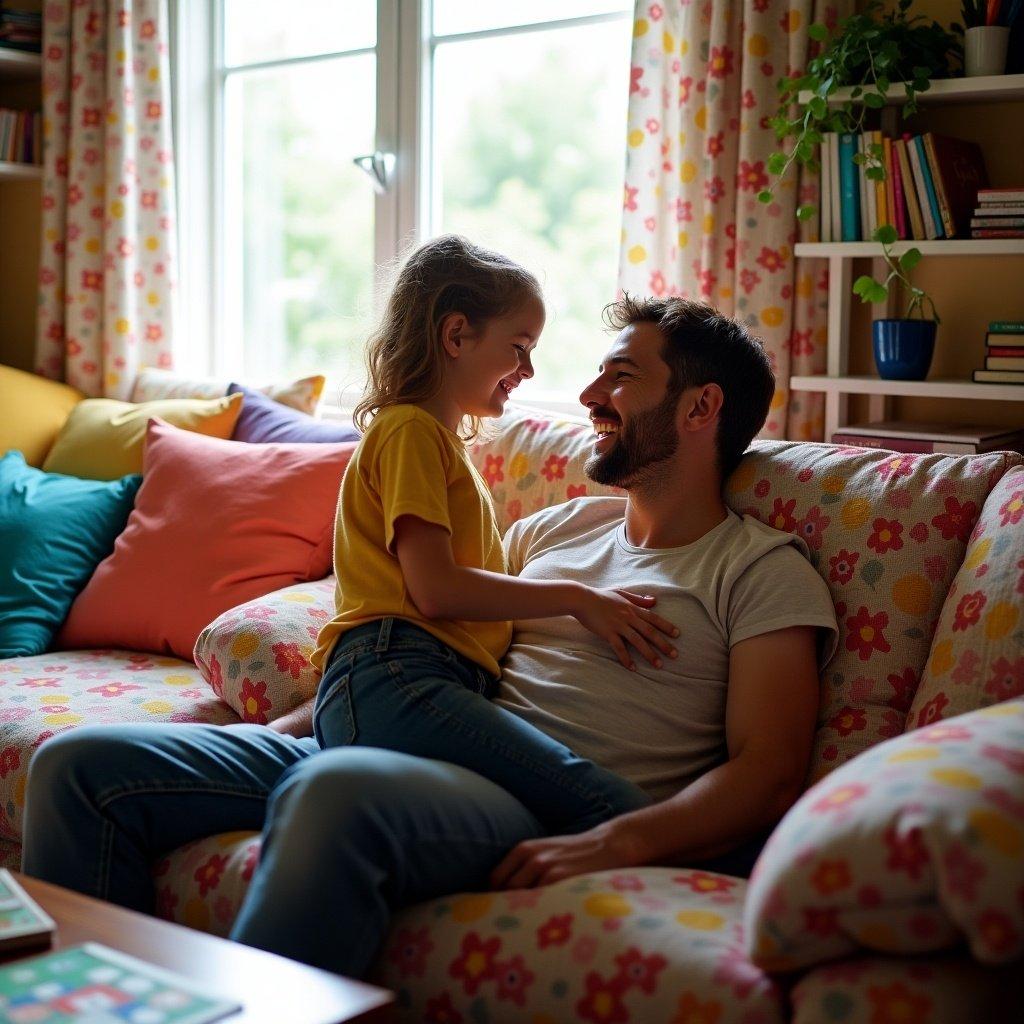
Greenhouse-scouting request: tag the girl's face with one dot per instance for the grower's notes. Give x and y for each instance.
(496, 358)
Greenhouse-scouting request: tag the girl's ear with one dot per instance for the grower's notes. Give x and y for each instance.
(453, 331)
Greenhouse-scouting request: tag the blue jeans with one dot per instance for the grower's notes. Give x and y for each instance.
(393, 685)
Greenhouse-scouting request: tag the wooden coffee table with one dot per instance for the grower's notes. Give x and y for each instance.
(271, 988)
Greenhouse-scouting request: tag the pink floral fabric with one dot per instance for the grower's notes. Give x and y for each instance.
(913, 847)
(701, 90)
(977, 657)
(107, 268)
(51, 693)
(891, 990)
(256, 656)
(535, 460)
(887, 533)
(650, 945)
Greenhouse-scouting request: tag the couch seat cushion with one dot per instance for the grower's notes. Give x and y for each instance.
(50, 693)
(887, 532)
(657, 945)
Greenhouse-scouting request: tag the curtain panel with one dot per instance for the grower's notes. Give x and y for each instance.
(107, 265)
(702, 86)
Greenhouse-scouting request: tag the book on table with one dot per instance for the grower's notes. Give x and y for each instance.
(999, 377)
(924, 438)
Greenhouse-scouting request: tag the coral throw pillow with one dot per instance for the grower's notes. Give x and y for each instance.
(32, 411)
(216, 523)
(102, 438)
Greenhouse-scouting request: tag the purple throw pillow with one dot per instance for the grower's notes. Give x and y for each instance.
(263, 421)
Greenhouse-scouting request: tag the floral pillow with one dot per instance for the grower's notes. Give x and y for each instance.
(977, 657)
(256, 656)
(533, 461)
(152, 383)
(887, 532)
(914, 846)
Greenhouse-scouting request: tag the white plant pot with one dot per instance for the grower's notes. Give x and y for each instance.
(985, 50)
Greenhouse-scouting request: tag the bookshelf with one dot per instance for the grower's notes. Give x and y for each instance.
(20, 211)
(837, 383)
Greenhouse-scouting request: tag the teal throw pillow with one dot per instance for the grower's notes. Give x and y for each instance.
(54, 531)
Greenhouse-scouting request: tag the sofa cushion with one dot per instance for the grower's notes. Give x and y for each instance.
(263, 420)
(912, 847)
(894, 990)
(977, 656)
(887, 532)
(33, 411)
(51, 693)
(54, 531)
(152, 383)
(216, 523)
(654, 944)
(103, 439)
(533, 461)
(256, 656)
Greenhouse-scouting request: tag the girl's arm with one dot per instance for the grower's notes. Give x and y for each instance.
(442, 589)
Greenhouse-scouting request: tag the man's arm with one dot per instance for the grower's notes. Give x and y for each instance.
(771, 711)
(298, 722)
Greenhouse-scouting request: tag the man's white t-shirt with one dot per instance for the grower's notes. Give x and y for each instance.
(659, 728)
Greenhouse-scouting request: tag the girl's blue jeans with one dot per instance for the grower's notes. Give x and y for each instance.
(391, 684)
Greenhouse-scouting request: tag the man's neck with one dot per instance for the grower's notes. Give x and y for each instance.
(675, 508)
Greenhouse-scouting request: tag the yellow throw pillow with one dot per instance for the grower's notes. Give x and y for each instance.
(32, 411)
(102, 439)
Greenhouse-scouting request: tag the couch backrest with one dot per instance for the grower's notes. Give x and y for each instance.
(887, 533)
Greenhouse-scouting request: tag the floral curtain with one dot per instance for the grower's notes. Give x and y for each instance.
(702, 87)
(106, 273)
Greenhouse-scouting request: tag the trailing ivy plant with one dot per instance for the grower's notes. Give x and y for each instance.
(870, 51)
(871, 290)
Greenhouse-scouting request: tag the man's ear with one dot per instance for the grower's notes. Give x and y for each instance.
(453, 331)
(704, 407)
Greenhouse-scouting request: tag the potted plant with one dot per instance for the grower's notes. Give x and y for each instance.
(903, 346)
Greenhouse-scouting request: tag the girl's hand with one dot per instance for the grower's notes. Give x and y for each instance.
(622, 618)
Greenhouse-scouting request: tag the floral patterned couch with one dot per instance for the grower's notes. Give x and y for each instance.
(924, 556)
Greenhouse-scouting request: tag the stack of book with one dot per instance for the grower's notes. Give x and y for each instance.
(925, 438)
(21, 140)
(931, 184)
(21, 29)
(999, 213)
(1004, 353)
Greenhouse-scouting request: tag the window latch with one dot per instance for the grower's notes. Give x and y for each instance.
(380, 167)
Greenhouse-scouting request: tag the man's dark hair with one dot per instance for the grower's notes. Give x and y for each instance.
(702, 346)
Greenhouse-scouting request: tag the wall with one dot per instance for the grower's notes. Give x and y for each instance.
(968, 290)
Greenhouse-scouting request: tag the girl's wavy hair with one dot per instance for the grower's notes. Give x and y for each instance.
(405, 358)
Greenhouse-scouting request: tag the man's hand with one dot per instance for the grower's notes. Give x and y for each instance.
(543, 861)
(297, 723)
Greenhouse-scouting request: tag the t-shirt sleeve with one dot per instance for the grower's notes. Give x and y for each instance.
(779, 590)
(410, 476)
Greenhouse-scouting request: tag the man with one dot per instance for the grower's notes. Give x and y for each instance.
(720, 737)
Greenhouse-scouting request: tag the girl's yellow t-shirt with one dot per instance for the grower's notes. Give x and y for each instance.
(408, 463)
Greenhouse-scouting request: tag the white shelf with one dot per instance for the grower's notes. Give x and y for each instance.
(18, 64)
(944, 90)
(23, 172)
(936, 247)
(909, 388)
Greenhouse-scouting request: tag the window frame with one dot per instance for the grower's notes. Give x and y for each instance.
(207, 343)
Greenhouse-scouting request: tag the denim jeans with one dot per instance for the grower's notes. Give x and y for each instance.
(393, 685)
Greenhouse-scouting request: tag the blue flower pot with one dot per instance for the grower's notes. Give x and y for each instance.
(903, 348)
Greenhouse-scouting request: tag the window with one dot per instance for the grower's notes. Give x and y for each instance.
(506, 124)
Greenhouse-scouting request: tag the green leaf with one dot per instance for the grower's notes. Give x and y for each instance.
(875, 174)
(805, 212)
(920, 72)
(776, 163)
(819, 32)
(764, 196)
(873, 100)
(879, 293)
(861, 285)
(857, 90)
(859, 158)
(886, 234)
(883, 84)
(910, 259)
(818, 107)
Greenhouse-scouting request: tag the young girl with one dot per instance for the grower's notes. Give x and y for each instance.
(423, 602)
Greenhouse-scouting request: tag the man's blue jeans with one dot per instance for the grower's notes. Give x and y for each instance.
(350, 835)
(393, 685)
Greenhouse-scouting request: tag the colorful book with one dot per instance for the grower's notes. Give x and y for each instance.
(849, 184)
(881, 211)
(945, 213)
(1013, 351)
(1001, 210)
(929, 185)
(890, 202)
(836, 197)
(1006, 327)
(1005, 362)
(963, 433)
(961, 174)
(825, 193)
(909, 191)
(1000, 195)
(902, 224)
(997, 232)
(866, 191)
(904, 447)
(999, 376)
(997, 222)
(930, 227)
(1004, 339)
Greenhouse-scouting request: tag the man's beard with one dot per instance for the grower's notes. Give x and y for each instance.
(648, 438)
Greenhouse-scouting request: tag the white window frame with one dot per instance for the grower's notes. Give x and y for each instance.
(403, 215)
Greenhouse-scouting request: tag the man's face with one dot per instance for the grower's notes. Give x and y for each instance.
(633, 414)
